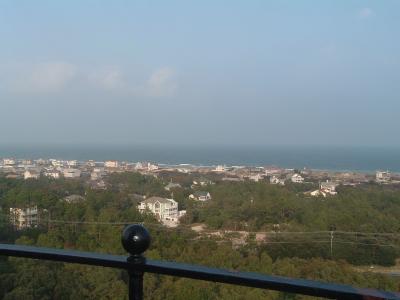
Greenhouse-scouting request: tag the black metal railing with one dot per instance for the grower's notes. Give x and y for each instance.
(136, 240)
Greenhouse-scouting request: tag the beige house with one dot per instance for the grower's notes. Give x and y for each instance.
(200, 196)
(164, 209)
(111, 164)
(328, 187)
(24, 217)
(31, 174)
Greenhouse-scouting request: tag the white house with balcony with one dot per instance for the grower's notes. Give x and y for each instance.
(24, 217)
(165, 210)
(297, 178)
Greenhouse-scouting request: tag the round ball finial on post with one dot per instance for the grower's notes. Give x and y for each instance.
(135, 240)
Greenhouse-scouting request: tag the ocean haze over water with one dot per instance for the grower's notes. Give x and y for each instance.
(335, 158)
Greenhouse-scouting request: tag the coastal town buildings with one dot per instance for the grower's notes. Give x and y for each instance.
(146, 166)
(72, 163)
(111, 164)
(382, 176)
(56, 163)
(8, 161)
(97, 174)
(91, 163)
(220, 169)
(52, 173)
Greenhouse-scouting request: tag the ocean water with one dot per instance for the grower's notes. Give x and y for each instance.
(365, 159)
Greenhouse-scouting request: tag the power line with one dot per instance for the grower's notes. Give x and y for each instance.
(93, 222)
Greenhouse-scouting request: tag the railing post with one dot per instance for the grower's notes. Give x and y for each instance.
(136, 240)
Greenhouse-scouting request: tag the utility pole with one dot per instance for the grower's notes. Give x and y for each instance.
(332, 230)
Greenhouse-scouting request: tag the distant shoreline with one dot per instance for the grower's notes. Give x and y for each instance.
(322, 158)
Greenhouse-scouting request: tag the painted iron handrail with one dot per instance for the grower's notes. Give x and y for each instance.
(136, 240)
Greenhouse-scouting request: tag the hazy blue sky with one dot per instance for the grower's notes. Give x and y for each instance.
(212, 72)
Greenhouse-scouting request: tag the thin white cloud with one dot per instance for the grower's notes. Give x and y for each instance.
(44, 77)
(51, 77)
(109, 79)
(162, 83)
(365, 13)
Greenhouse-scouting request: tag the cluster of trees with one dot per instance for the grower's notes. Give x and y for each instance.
(257, 206)
(246, 205)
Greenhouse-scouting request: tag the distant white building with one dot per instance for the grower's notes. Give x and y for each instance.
(325, 188)
(276, 180)
(220, 168)
(256, 177)
(24, 217)
(164, 209)
(52, 174)
(56, 163)
(202, 182)
(31, 174)
(382, 176)
(8, 161)
(328, 187)
(111, 164)
(72, 163)
(91, 163)
(97, 174)
(200, 196)
(40, 162)
(297, 178)
(26, 162)
(146, 166)
(71, 173)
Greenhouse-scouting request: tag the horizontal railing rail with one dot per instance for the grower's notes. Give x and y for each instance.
(136, 240)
